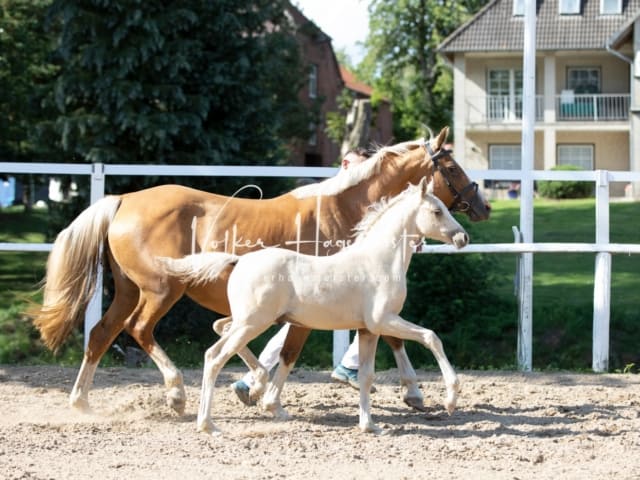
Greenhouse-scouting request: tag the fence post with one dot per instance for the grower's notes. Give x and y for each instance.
(522, 290)
(94, 308)
(602, 279)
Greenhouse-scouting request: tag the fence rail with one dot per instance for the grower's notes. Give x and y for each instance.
(602, 248)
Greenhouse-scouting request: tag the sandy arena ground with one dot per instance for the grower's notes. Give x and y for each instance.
(508, 426)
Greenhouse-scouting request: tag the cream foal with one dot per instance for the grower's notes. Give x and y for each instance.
(361, 287)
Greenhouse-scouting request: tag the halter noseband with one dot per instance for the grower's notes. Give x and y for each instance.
(459, 203)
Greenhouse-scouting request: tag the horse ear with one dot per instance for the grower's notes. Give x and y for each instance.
(430, 186)
(423, 186)
(442, 137)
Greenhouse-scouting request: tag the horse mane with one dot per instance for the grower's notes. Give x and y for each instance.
(378, 209)
(355, 173)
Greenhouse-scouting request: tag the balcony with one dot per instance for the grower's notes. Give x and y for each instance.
(569, 107)
(592, 107)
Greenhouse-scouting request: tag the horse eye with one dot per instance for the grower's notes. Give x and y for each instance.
(452, 169)
(437, 212)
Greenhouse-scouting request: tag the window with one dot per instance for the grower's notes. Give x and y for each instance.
(577, 155)
(569, 7)
(610, 7)
(504, 101)
(313, 81)
(313, 134)
(583, 79)
(518, 8)
(505, 157)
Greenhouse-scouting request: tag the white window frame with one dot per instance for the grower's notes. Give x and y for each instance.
(571, 153)
(569, 7)
(606, 7)
(585, 68)
(313, 134)
(512, 153)
(313, 81)
(506, 106)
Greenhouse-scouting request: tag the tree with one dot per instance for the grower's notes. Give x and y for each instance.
(182, 82)
(403, 64)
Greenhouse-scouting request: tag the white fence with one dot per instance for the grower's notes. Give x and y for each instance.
(603, 249)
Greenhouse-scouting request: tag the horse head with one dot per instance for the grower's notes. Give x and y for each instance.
(435, 221)
(452, 185)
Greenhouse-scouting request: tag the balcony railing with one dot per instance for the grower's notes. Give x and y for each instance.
(504, 109)
(591, 108)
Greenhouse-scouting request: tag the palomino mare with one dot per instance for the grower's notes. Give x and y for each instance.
(362, 287)
(173, 221)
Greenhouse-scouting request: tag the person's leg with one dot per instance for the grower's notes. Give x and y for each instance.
(347, 371)
(350, 358)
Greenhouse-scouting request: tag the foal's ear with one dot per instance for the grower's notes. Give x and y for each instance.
(430, 186)
(424, 187)
(442, 137)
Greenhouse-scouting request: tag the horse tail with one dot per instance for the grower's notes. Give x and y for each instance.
(72, 272)
(197, 268)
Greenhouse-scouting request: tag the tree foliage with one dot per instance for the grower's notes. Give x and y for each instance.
(402, 60)
(176, 82)
(24, 68)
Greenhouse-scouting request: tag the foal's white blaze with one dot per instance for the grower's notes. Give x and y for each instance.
(362, 287)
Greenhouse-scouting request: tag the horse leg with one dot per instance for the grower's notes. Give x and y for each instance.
(214, 359)
(296, 338)
(395, 325)
(408, 378)
(367, 343)
(140, 325)
(258, 371)
(100, 339)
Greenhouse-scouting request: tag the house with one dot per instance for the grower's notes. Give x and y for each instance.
(587, 85)
(381, 130)
(321, 90)
(326, 81)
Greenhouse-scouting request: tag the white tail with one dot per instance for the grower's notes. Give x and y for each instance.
(197, 268)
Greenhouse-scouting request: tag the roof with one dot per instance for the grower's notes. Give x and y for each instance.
(496, 29)
(352, 83)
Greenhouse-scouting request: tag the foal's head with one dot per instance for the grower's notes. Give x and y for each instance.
(434, 220)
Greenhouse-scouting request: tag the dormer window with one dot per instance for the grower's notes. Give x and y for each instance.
(569, 7)
(610, 7)
(518, 8)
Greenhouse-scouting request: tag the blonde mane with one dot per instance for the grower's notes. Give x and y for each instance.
(356, 173)
(378, 210)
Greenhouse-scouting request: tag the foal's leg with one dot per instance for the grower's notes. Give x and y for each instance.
(100, 339)
(408, 379)
(296, 337)
(395, 325)
(367, 343)
(214, 359)
(221, 326)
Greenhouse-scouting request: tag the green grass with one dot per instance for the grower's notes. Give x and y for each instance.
(563, 286)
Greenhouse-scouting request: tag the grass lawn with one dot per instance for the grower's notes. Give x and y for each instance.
(563, 283)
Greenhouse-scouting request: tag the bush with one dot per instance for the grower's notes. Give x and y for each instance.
(564, 188)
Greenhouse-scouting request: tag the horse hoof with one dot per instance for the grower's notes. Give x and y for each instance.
(81, 405)
(370, 428)
(416, 403)
(279, 413)
(176, 400)
(209, 428)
